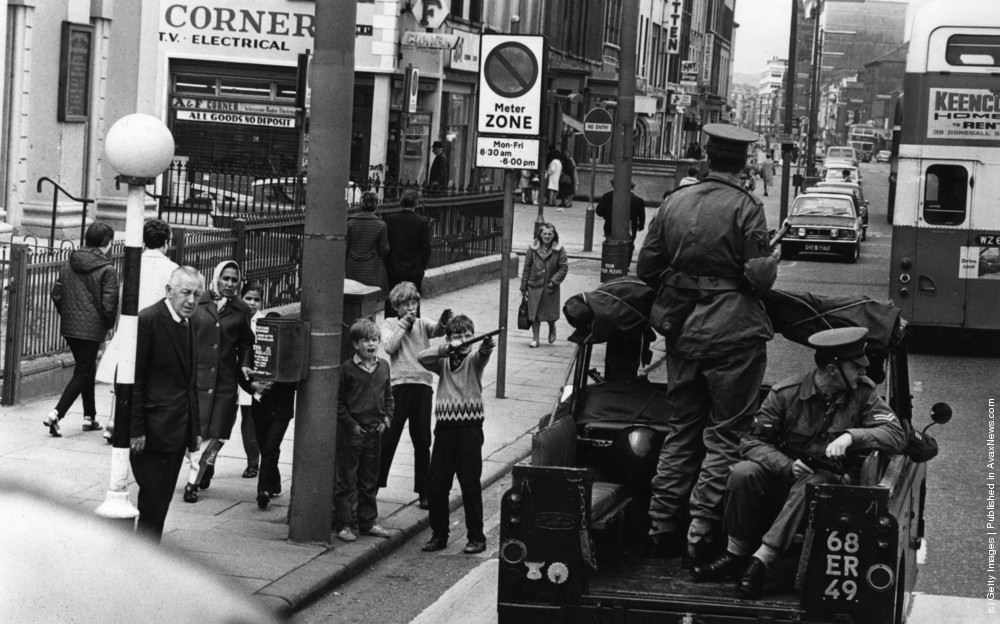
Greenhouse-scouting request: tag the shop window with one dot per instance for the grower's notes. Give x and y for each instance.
(945, 194)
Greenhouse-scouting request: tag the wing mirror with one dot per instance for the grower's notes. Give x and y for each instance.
(940, 414)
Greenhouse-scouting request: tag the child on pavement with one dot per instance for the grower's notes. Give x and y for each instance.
(403, 338)
(458, 434)
(364, 412)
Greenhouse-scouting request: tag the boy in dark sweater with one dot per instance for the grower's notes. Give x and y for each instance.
(364, 411)
(458, 433)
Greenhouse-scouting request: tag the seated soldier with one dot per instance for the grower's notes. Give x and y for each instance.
(816, 415)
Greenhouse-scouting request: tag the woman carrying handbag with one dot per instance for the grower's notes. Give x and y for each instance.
(545, 267)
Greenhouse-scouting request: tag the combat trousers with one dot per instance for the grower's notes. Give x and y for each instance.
(710, 405)
(755, 495)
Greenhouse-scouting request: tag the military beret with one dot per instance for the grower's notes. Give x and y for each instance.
(843, 343)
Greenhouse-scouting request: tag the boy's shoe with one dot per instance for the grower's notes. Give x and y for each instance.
(435, 544)
(377, 531)
(263, 498)
(90, 424)
(190, 493)
(52, 422)
(250, 472)
(474, 547)
(346, 535)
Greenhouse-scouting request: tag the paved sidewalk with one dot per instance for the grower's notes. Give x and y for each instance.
(226, 531)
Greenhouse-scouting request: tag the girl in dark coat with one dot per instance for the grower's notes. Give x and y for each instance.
(86, 297)
(224, 352)
(367, 245)
(545, 267)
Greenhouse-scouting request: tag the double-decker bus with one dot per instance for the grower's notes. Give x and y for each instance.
(864, 139)
(945, 269)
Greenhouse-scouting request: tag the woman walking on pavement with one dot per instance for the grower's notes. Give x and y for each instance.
(545, 267)
(224, 348)
(86, 297)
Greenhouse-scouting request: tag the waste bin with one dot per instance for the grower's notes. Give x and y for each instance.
(281, 350)
(360, 301)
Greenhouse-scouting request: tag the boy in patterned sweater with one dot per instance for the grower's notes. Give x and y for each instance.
(458, 432)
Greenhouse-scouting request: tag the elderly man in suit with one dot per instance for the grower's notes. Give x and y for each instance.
(164, 419)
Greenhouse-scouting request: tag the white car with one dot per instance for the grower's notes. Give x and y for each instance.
(883, 156)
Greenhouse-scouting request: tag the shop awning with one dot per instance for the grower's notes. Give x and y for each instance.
(572, 123)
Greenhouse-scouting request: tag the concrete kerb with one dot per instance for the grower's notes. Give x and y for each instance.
(336, 566)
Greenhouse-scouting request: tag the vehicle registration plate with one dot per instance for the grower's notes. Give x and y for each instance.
(817, 247)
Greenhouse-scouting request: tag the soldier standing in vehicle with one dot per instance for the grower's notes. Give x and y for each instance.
(815, 416)
(707, 254)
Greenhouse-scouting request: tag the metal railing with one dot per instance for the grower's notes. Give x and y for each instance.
(55, 207)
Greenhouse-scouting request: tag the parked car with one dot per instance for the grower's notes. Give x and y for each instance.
(883, 156)
(842, 152)
(855, 191)
(823, 223)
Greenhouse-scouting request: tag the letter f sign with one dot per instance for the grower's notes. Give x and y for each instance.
(430, 13)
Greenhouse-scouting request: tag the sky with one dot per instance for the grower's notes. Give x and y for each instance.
(763, 33)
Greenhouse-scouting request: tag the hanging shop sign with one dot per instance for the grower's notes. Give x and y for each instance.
(674, 26)
(434, 41)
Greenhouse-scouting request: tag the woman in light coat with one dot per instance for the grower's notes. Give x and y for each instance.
(545, 267)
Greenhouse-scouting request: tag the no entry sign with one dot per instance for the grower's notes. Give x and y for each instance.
(510, 85)
(597, 126)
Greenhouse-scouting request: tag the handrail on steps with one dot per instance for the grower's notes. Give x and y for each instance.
(55, 206)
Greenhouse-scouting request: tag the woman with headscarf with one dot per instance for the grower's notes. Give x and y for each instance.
(224, 352)
(545, 267)
(367, 245)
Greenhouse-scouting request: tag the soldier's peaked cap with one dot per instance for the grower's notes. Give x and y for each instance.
(843, 343)
(729, 139)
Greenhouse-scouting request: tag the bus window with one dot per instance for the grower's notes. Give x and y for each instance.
(973, 50)
(945, 194)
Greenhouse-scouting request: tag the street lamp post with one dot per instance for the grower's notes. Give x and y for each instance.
(139, 147)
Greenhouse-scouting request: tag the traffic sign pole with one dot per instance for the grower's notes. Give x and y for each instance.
(598, 125)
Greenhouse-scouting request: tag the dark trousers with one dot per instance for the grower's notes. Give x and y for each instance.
(710, 405)
(156, 474)
(248, 431)
(82, 382)
(356, 481)
(457, 451)
(755, 497)
(395, 279)
(270, 431)
(413, 404)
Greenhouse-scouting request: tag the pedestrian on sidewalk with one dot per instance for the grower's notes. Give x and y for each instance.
(272, 409)
(404, 336)
(409, 236)
(164, 419)
(767, 173)
(155, 269)
(545, 267)
(458, 434)
(252, 295)
(365, 410)
(367, 245)
(552, 174)
(567, 181)
(86, 298)
(636, 214)
(224, 343)
(692, 177)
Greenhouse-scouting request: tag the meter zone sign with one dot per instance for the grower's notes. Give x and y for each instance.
(510, 85)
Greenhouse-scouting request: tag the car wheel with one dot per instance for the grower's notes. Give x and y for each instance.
(854, 254)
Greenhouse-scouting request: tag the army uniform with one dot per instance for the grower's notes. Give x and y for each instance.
(796, 414)
(804, 417)
(710, 241)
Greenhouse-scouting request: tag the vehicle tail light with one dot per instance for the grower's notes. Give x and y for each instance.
(513, 551)
(880, 577)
